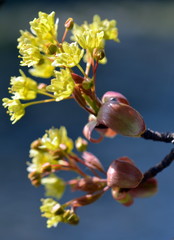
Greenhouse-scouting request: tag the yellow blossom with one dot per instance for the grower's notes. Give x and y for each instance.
(55, 139)
(62, 85)
(43, 70)
(30, 55)
(23, 87)
(108, 27)
(44, 27)
(47, 209)
(54, 186)
(70, 56)
(39, 158)
(90, 39)
(15, 109)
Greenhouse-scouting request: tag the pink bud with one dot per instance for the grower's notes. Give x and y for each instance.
(123, 174)
(92, 161)
(145, 189)
(86, 199)
(121, 118)
(114, 95)
(90, 184)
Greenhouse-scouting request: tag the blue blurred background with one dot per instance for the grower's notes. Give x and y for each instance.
(141, 67)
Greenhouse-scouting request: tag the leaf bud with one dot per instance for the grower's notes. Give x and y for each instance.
(98, 53)
(69, 23)
(81, 144)
(123, 174)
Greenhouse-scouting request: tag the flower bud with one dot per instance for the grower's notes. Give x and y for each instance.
(46, 168)
(90, 184)
(81, 144)
(123, 174)
(35, 178)
(145, 189)
(52, 49)
(121, 118)
(98, 54)
(86, 199)
(42, 86)
(114, 95)
(36, 144)
(92, 161)
(69, 23)
(58, 209)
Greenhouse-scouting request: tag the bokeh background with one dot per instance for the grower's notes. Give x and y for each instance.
(141, 67)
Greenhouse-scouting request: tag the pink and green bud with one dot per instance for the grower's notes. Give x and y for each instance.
(69, 23)
(123, 174)
(110, 95)
(121, 118)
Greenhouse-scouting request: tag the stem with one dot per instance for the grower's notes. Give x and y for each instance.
(45, 93)
(64, 35)
(152, 172)
(38, 102)
(81, 70)
(156, 136)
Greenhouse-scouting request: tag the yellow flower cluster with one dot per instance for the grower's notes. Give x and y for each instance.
(62, 85)
(47, 57)
(56, 213)
(50, 148)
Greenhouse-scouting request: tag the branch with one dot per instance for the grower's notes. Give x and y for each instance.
(152, 172)
(156, 136)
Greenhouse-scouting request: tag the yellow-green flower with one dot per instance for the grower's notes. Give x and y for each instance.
(108, 27)
(47, 209)
(70, 56)
(23, 87)
(90, 39)
(55, 139)
(15, 109)
(39, 158)
(30, 55)
(44, 27)
(54, 186)
(43, 70)
(62, 85)
(56, 213)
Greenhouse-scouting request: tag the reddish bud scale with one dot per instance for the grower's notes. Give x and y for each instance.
(114, 95)
(121, 118)
(123, 174)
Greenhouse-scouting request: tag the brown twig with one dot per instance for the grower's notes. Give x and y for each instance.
(156, 136)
